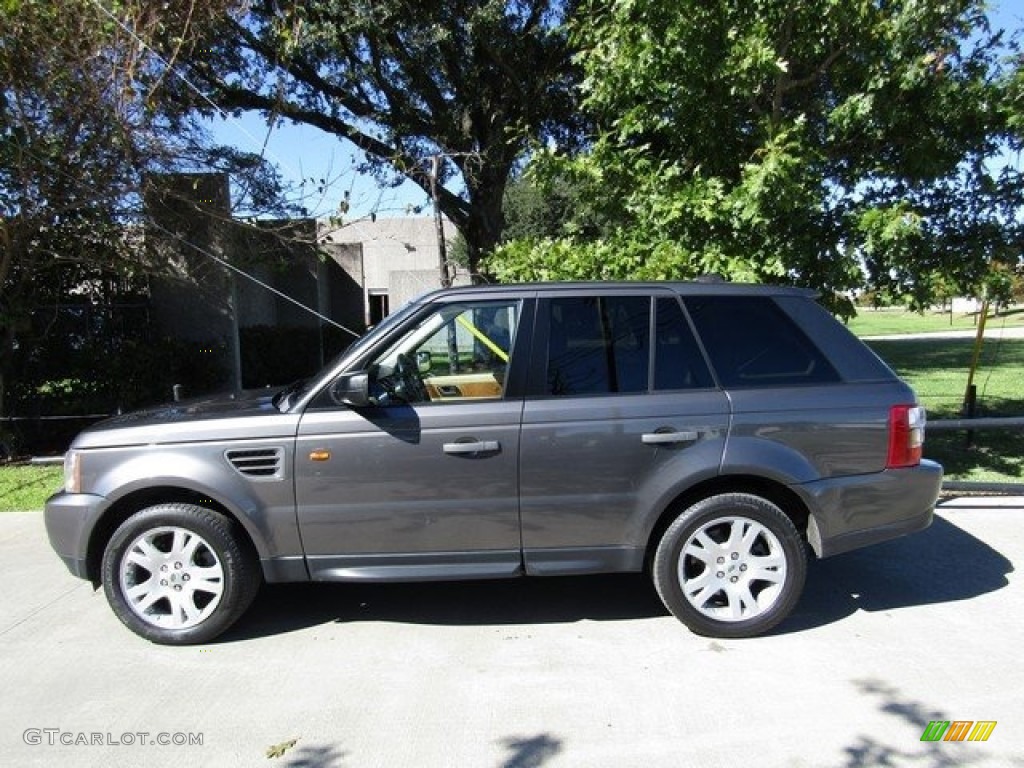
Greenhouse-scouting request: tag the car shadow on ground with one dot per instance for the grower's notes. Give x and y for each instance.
(288, 607)
(941, 564)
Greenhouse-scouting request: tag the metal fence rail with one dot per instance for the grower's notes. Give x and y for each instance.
(980, 423)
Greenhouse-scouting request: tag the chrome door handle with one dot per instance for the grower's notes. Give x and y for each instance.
(668, 438)
(485, 446)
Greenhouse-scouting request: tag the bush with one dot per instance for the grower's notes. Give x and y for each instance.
(65, 378)
(62, 382)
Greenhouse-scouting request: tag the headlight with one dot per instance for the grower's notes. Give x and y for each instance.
(73, 472)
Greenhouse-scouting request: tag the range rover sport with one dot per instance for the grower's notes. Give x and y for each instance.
(710, 433)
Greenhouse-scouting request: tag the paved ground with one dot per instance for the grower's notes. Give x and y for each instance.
(531, 674)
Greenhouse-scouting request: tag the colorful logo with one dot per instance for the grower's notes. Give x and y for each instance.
(958, 730)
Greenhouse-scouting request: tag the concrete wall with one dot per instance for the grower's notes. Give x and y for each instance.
(189, 212)
(343, 267)
(190, 216)
(400, 257)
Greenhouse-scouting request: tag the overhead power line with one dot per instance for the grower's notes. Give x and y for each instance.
(239, 271)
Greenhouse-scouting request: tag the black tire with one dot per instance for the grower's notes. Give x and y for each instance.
(719, 547)
(178, 574)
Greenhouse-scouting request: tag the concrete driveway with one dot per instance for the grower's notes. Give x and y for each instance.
(530, 674)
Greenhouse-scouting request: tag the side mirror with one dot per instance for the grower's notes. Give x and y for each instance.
(423, 361)
(352, 389)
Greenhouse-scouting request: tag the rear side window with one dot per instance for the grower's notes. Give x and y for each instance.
(678, 363)
(598, 345)
(753, 343)
(601, 345)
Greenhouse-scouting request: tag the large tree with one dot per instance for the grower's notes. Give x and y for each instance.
(470, 82)
(84, 120)
(802, 142)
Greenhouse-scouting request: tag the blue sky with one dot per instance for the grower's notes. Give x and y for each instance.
(307, 155)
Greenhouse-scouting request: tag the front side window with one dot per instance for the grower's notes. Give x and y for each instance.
(459, 352)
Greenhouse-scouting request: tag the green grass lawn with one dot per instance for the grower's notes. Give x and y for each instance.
(937, 369)
(25, 486)
(882, 322)
(995, 455)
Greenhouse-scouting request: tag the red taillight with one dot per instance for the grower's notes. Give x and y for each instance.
(906, 436)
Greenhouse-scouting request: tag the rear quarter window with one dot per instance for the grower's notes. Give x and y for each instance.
(752, 343)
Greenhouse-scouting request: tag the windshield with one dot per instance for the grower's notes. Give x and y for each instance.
(294, 392)
(371, 333)
(284, 399)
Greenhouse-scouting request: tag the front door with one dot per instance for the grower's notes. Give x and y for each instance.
(423, 483)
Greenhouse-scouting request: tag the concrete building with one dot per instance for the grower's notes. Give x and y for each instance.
(299, 276)
(394, 260)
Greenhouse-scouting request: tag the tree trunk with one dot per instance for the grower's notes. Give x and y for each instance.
(485, 221)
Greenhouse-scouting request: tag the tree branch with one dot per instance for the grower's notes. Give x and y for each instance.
(234, 97)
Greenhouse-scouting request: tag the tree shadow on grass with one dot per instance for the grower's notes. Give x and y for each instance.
(998, 451)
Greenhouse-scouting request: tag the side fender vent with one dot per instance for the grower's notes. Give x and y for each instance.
(258, 463)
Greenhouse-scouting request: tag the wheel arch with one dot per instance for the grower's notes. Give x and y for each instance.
(779, 494)
(127, 505)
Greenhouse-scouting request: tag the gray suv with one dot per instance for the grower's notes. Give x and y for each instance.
(708, 433)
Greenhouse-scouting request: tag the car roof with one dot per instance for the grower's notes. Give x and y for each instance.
(695, 288)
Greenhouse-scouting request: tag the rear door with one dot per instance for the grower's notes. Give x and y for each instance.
(622, 411)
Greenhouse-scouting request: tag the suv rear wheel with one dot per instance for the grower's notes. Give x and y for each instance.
(177, 574)
(732, 565)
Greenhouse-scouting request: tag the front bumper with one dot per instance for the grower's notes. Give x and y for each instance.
(70, 519)
(852, 512)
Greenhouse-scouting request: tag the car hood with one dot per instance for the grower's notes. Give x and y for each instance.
(237, 416)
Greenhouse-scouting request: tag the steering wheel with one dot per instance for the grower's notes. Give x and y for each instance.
(407, 382)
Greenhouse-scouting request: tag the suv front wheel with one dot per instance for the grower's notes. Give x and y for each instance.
(732, 565)
(177, 574)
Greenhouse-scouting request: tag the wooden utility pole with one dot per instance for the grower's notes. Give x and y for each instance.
(979, 338)
(442, 249)
(971, 393)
